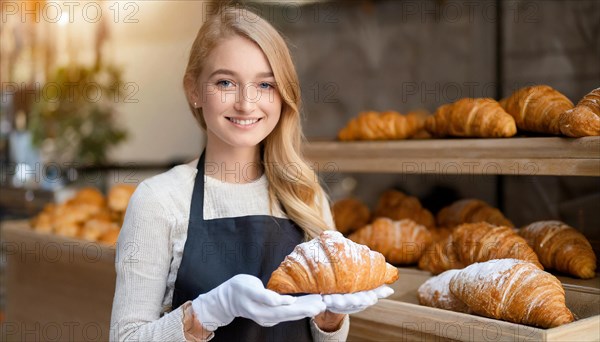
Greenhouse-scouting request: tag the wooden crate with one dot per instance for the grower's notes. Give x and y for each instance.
(401, 318)
(57, 288)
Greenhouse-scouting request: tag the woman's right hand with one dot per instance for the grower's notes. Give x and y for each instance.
(245, 296)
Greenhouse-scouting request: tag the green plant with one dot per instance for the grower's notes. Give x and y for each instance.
(73, 118)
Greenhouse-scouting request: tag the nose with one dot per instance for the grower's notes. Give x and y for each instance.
(247, 98)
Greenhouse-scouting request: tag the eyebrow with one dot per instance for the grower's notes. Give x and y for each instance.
(232, 73)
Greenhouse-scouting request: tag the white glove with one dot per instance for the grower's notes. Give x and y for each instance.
(355, 302)
(245, 296)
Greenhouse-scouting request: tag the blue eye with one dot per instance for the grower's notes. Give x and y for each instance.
(224, 83)
(264, 85)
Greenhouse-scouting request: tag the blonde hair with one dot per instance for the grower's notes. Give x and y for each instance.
(291, 181)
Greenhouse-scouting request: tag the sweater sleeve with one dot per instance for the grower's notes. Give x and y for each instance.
(339, 335)
(142, 266)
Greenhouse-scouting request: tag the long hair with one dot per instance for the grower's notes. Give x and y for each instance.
(292, 182)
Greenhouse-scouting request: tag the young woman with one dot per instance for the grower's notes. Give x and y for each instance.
(200, 241)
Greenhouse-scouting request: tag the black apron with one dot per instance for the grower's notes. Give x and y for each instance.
(216, 250)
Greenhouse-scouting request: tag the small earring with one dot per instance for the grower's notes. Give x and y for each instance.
(195, 105)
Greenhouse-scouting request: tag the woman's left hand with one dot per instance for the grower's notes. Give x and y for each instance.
(355, 302)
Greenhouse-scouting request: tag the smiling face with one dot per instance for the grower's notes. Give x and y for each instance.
(237, 93)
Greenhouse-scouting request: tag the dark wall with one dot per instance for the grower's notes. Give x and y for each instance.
(403, 55)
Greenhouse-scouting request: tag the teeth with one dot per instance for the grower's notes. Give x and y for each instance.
(243, 122)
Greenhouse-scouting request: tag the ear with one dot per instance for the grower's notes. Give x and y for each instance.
(191, 90)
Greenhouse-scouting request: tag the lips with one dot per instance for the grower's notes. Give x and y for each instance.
(244, 122)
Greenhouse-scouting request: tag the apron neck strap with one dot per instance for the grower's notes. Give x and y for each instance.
(197, 205)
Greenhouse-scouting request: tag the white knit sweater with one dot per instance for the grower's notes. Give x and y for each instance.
(151, 243)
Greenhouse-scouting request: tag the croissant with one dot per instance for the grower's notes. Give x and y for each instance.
(119, 195)
(584, 119)
(88, 215)
(435, 292)
(470, 211)
(538, 108)
(514, 291)
(440, 233)
(68, 229)
(476, 242)
(561, 247)
(388, 125)
(440, 256)
(330, 264)
(467, 117)
(110, 237)
(43, 222)
(401, 242)
(94, 228)
(419, 115)
(90, 196)
(349, 215)
(397, 206)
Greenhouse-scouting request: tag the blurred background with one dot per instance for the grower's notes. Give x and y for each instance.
(92, 92)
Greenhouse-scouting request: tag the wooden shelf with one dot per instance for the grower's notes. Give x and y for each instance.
(401, 318)
(514, 156)
(56, 285)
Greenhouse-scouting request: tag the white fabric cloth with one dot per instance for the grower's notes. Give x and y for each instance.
(151, 243)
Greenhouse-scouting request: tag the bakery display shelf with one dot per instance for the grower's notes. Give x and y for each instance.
(515, 156)
(401, 318)
(23, 229)
(71, 281)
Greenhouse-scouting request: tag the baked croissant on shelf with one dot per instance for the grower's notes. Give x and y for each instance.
(561, 247)
(373, 125)
(514, 291)
(468, 117)
(476, 242)
(118, 199)
(349, 215)
(440, 256)
(86, 215)
(331, 264)
(401, 242)
(584, 119)
(440, 233)
(420, 115)
(435, 293)
(397, 206)
(470, 211)
(538, 108)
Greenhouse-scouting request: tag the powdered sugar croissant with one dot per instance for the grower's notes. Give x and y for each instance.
(512, 290)
(331, 264)
(435, 292)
